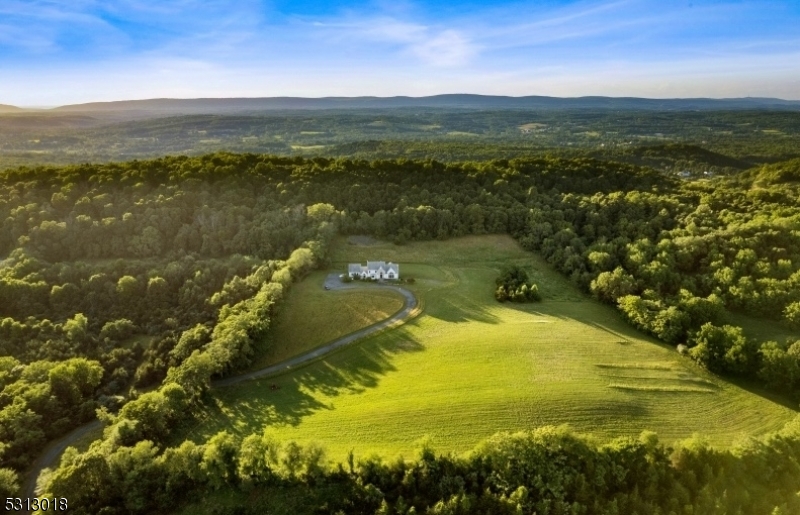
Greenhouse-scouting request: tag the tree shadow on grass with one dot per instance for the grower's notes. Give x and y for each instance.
(288, 398)
(756, 389)
(535, 309)
(624, 336)
(464, 309)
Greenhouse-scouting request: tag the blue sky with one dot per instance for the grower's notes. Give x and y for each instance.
(56, 52)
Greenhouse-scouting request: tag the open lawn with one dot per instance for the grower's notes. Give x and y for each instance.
(311, 317)
(469, 367)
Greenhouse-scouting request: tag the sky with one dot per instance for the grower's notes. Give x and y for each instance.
(55, 52)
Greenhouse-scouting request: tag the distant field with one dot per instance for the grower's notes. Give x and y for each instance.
(531, 126)
(469, 367)
(312, 316)
(307, 147)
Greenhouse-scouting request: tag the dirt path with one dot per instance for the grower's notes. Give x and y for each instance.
(51, 454)
(54, 450)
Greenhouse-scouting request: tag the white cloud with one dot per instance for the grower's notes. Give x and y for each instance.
(447, 48)
(24, 38)
(386, 29)
(432, 45)
(83, 28)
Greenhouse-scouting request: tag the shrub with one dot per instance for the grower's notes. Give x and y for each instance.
(513, 285)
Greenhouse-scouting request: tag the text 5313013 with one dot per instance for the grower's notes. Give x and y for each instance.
(17, 504)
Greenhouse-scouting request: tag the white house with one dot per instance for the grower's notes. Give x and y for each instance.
(374, 270)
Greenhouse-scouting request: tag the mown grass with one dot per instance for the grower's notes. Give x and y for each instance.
(469, 367)
(764, 330)
(312, 316)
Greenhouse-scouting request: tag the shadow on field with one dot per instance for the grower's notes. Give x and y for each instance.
(623, 336)
(287, 399)
(759, 390)
(535, 309)
(361, 367)
(464, 309)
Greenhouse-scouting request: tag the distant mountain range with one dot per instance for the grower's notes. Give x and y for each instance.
(244, 105)
(4, 108)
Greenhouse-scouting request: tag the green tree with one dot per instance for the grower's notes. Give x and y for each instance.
(610, 286)
(83, 478)
(76, 328)
(128, 287)
(779, 369)
(9, 483)
(220, 455)
(118, 330)
(792, 314)
(191, 340)
(722, 349)
(75, 380)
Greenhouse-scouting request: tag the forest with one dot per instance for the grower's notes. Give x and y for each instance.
(717, 141)
(126, 287)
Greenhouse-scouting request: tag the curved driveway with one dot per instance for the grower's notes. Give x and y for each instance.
(332, 282)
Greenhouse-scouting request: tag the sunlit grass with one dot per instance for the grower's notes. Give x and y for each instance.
(469, 367)
(312, 316)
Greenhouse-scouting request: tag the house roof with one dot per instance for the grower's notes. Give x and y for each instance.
(373, 266)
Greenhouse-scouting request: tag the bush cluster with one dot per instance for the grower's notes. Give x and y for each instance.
(513, 285)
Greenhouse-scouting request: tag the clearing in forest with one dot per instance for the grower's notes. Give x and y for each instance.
(469, 367)
(311, 317)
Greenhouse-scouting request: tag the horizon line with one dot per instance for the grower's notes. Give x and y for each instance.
(377, 97)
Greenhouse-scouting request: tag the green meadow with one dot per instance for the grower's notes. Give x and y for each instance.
(468, 366)
(311, 317)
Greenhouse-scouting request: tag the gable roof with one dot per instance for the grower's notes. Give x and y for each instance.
(373, 266)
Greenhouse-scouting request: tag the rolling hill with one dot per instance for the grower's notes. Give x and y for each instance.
(469, 367)
(465, 101)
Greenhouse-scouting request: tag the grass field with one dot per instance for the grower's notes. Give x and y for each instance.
(312, 316)
(763, 330)
(469, 367)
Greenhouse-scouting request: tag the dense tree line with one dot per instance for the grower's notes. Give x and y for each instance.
(684, 251)
(127, 278)
(195, 253)
(42, 399)
(145, 421)
(547, 471)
